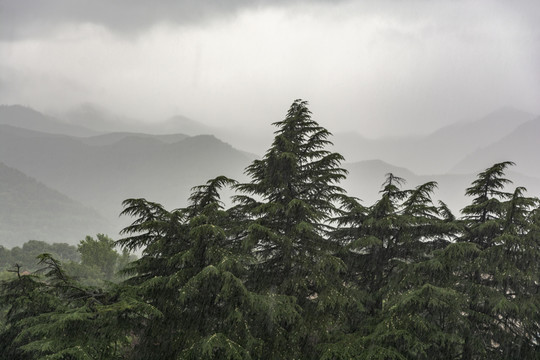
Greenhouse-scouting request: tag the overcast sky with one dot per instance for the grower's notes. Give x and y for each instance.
(376, 67)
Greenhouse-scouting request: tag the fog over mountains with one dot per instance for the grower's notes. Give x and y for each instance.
(63, 179)
(522, 145)
(103, 170)
(440, 151)
(31, 210)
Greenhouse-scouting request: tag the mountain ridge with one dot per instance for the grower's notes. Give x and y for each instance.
(28, 118)
(437, 152)
(520, 146)
(102, 176)
(32, 211)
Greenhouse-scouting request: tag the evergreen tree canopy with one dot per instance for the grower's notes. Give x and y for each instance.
(50, 315)
(290, 199)
(191, 271)
(502, 282)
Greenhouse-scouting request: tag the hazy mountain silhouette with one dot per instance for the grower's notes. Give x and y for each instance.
(437, 152)
(111, 138)
(27, 118)
(103, 171)
(100, 119)
(30, 210)
(521, 146)
(180, 123)
(366, 178)
(434, 153)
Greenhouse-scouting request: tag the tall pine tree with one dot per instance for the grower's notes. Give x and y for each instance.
(291, 198)
(502, 284)
(381, 244)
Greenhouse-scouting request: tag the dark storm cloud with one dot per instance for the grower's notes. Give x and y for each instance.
(29, 18)
(35, 18)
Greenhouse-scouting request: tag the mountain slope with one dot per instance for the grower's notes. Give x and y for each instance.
(111, 138)
(30, 210)
(365, 180)
(100, 119)
(521, 146)
(102, 175)
(27, 118)
(439, 151)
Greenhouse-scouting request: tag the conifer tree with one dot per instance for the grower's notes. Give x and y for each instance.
(402, 227)
(472, 298)
(291, 198)
(380, 246)
(191, 272)
(502, 285)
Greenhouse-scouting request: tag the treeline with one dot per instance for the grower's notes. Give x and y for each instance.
(26, 254)
(92, 262)
(296, 269)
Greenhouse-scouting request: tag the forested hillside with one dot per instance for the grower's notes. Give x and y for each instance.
(296, 268)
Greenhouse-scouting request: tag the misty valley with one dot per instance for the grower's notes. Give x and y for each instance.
(210, 243)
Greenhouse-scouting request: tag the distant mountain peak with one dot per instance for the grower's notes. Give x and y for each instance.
(185, 125)
(509, 113)
(17, 107)
(520, 145)
(27, 118)
(383, 166)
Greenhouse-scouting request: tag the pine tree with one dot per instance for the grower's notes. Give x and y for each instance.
(291, 198)
(381, 246)
(503, 283)
(192, 272)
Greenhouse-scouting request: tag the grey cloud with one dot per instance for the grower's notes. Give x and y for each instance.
(30, 18)
(27, 18)
(365, 63)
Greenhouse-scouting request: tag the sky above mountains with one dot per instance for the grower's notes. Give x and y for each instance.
(375, 67)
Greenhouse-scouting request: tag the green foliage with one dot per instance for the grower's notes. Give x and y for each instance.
(191, 271)
(290, 201)
(49, 315)
(25, 256)
(100, 254)
(97, 261)
(381, 246)
(502, 281)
